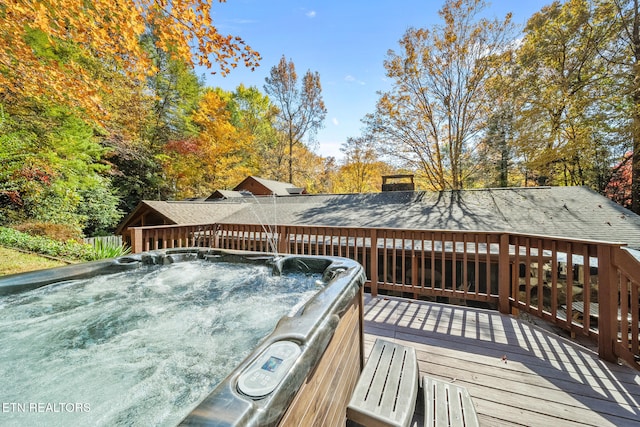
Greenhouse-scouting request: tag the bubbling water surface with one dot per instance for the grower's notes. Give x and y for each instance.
(137, 348)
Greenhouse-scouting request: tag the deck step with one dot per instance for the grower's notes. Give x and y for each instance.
(386, 392)
(447, 405)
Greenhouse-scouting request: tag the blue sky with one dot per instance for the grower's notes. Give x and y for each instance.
(346, 42)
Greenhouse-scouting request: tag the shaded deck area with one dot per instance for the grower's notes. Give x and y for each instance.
(517, 372)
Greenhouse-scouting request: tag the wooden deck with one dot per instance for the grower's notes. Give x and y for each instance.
(518, 373)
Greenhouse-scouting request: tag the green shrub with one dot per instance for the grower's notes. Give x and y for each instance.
(71, 249)
(59, 232)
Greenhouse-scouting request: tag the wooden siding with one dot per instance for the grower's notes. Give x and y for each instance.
(323, 398)
(518, 373)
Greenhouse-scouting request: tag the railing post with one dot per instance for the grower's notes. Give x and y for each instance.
(283, 240)
(136, 240)
(608, 300)
(504, 276)
(373, 274)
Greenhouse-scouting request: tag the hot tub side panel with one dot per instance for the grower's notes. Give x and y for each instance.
(323, 398)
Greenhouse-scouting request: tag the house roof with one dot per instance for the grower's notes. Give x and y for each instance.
(574, 212)
(275, 187)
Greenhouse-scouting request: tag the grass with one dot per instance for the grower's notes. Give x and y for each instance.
(12, 261)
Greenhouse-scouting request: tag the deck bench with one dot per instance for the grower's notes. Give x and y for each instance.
(447, 404)
(386, 392)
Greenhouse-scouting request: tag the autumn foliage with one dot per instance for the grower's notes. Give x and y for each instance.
(619, 187)
(52, 48)
(100, 107)
(217, 158)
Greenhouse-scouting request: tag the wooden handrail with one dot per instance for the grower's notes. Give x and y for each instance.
(542, 275)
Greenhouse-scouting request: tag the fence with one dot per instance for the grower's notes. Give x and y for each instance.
(585, 287)
(108, 240)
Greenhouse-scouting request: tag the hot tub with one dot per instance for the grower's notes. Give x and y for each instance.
(159, 339)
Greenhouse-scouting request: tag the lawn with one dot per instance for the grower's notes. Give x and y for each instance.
(12, 261)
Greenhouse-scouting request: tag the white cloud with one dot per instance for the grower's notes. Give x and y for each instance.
(349, 78)
(335, 121)
(311, 14)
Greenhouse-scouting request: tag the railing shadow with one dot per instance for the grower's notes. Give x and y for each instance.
(611, 391)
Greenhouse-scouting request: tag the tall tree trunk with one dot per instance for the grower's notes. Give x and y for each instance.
(504, 161)
(290, 161)
(635, 136)
(635, 160)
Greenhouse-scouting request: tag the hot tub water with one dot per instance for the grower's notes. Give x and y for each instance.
(141, 347)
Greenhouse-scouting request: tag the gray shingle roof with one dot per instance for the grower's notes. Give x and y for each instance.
(224, 194)
(186, 212)
(574, 212)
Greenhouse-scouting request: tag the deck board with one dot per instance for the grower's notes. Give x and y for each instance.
(517, 373)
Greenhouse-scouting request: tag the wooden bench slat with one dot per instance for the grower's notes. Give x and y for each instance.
(386, 391)
(447, 404)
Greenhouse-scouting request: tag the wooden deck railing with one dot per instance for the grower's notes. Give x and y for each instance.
(585, 287)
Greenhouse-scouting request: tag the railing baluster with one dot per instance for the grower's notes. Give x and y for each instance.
(384, 258)
(443, 263)
(373, 235)
(503, 273)
(634, 328)
(488, 266)
(540, 284)
(394, 250)
(476, 264)
(586, 290)
(401, 280)
(413, 267)
(454, 264)
(622, 318)
(433, 261)
(465, 276)
(428, 270)
(527, 271)
(554, 280)
(569, 283)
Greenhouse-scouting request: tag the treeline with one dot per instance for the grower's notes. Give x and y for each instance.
(100, 108)
(173, 139)
(476, 102)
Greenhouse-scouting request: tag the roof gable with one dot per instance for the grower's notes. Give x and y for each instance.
(266, 187)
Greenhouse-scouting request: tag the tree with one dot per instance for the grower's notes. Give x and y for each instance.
(217, 158)
(45, 45)
(51, 162)
(565, 102)
(495, 153)
(497, 163)
(98, 208)
(175, 91)
(253, 112)
(301, 110)
(625, 56)
(314, 173)
(435, 113)
(619, 186)
(142, 120)
(360, 172)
